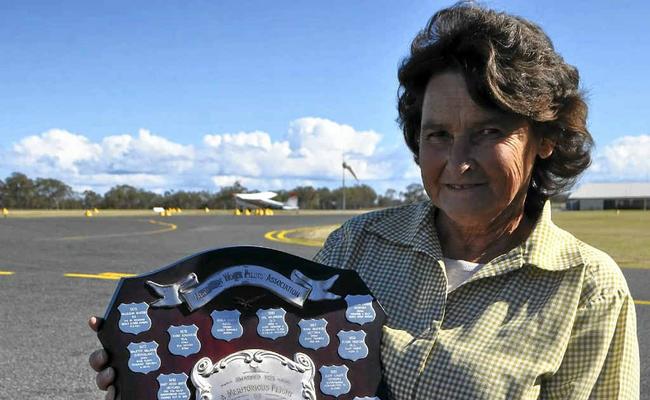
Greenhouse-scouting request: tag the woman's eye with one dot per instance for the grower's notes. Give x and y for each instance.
(436, 136)
(489, 133)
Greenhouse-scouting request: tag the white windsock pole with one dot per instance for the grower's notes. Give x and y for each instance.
(343, 182)
(345, 166)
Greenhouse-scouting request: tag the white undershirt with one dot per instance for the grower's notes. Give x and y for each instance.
(458, 271)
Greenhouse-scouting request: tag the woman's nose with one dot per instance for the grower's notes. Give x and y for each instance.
(460, 155)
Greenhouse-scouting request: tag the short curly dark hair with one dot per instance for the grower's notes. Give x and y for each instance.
(510, 64)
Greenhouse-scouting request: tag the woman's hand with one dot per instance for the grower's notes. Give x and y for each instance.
(99, 361)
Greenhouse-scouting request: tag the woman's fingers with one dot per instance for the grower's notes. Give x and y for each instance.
(98, 359)
(110, 394)
(95, 323)
(105, 378)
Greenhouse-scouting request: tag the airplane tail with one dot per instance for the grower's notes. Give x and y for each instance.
(292, 201)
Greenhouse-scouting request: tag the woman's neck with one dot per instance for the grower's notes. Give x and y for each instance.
(483, 242)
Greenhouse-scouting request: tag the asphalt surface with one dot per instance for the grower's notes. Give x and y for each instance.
(44, 338)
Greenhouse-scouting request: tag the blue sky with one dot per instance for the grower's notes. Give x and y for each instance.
(198, 94)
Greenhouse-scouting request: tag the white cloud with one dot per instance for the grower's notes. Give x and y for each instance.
(146, 153)
(322, 135)
(56, 149)
(626, 158)
(313, 149)
(310, 154)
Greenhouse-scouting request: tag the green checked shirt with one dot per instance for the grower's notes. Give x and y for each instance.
(551, 319)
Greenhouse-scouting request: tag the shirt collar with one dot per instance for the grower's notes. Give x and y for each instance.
(413, 226)
(548, 247)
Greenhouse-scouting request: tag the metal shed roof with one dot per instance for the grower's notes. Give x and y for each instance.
(617, 190)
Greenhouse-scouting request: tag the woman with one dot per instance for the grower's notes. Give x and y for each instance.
(485, 297)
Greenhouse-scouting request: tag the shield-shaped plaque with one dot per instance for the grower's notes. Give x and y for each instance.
(173, 387)
(313, 333)
(334, 380)
(134, 318)
(143, 357)
(226, 325)
(184, 340)
(244, 323)
(360, 309)
(352, 345)
(271, 323)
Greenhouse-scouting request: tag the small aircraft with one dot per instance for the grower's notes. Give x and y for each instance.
(264, 200)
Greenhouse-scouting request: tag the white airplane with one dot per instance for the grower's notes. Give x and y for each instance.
(264, 200)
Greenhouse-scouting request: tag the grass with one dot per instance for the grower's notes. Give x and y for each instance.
(624, 235)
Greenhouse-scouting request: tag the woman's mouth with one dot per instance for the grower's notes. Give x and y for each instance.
(464, 186)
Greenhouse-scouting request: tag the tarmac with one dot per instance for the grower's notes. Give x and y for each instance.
(56, 272)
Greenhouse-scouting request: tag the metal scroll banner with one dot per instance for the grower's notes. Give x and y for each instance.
(244, 323)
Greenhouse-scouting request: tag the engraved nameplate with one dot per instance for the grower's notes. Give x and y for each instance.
(313, 333)
(143, 357)
(334, 380)
(352, 345)
(183, 340)
(226, 325)
(173, 387)
(271, 323)
(134, 318)
(255, 374)
(246, 275)
(360, 310)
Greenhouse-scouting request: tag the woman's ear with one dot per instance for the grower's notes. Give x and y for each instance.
(546, 147)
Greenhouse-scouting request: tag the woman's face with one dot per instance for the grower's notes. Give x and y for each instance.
(475, 162)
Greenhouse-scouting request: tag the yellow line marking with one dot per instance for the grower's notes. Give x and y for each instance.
(6, 273)
(642, 302)
(281, 236)
(104, 275)
(168, 227)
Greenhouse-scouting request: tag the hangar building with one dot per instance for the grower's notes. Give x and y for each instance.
(607, 196)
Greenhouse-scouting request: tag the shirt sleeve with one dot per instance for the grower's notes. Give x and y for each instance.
(602, 357)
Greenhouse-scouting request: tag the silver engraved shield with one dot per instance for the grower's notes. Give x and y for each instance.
(255, 374)
(313, 333)
(183, 340)
(134, 318)
(352, 345)
(173, 387)
(271, 323)
(334, 380)
(143, 357)
(226, 325)
(360, 310)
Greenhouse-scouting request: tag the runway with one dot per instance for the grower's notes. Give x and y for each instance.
(56, 272)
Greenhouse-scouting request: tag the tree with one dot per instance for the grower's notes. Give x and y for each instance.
(91, 199)
(225, 198)
(183, 199)
(50, 193)
(18, 191)
(414, 193)
(356, 197)
(327, 199)
(125, 196)
(389, 199)
(308, 197)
